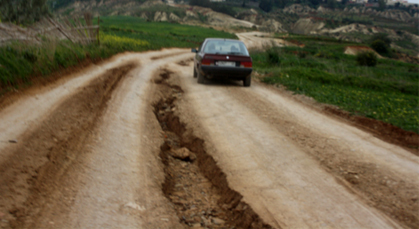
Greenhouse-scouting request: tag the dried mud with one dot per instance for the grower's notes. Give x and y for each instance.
(185, 62)
(41, 157)
(193, 182)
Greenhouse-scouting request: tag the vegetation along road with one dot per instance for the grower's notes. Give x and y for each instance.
(135, 141)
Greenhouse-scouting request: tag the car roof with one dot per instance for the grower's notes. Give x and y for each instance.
(222, 39)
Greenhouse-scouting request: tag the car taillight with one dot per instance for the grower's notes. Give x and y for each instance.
(206, 62)
(246, 64)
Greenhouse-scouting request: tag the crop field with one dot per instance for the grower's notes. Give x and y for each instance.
(19, 63)
(159, 34)
(386, 92)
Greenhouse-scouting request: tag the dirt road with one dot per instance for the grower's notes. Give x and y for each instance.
(136, 142)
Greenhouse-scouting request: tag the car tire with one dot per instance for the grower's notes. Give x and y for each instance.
(194, 73)
(247, 81)
(201, 78)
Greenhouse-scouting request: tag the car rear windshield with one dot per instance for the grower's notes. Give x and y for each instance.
(225, 47)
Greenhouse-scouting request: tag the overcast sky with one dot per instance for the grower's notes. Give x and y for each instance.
(413, 1)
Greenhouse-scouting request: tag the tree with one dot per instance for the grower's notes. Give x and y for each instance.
(366, 59)
(203, 3)
(381, 44)
(381, 36)
(331, 4)
(382, 4)
(280, 3)
(380, 47)
(315, 2)
(266, 5)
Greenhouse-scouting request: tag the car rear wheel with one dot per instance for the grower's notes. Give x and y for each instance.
(201, 78)
(194, 73)
(247, 81)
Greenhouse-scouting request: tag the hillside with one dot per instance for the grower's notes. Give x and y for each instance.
(355, 23)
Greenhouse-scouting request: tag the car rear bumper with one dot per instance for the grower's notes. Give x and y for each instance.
(228, 72)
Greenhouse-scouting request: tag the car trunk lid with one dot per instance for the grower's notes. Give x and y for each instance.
(227, 60)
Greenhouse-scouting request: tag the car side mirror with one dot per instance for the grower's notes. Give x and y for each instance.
(194, 50)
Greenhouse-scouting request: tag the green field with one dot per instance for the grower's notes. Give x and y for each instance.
(20, 63)
(159, 34)
(387, 92)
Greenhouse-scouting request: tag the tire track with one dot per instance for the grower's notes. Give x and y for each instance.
(254, 144)
(38, 163)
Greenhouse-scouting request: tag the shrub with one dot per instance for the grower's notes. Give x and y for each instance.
(203, 3)
(273, 56)
(326, 54)
(30, 56)
(381, 47)
(266, 5)
(366, 59)
(302, 54)
(380, 36)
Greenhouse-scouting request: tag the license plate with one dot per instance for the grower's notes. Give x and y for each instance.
(226, 63)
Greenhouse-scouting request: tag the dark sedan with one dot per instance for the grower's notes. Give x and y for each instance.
(222, 58)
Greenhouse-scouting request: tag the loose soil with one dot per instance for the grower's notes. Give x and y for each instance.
(43, 156)
(193, 181)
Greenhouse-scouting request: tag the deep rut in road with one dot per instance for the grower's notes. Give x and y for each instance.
(32, 173)
(193, 182)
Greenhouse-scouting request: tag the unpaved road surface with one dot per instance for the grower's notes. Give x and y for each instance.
(135, 142)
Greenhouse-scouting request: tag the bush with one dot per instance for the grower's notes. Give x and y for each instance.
(326, 55)
(366, 59)
(380, 36)
(302, 54)
(203, 3)
(29, 56)
(381, 47)
(266, 5)
(217, 7)
(221, 8)
(273, 56)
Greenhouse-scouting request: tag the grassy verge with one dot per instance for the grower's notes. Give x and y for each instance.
(386, 92)
(19, 63)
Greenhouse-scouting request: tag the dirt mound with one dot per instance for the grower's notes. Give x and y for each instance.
(307, 26)
(272, 26)
(217, 19)
(354, 50)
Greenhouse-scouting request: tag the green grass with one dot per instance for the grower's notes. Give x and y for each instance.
(386, 92)
(20, 63)
(159, 34)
